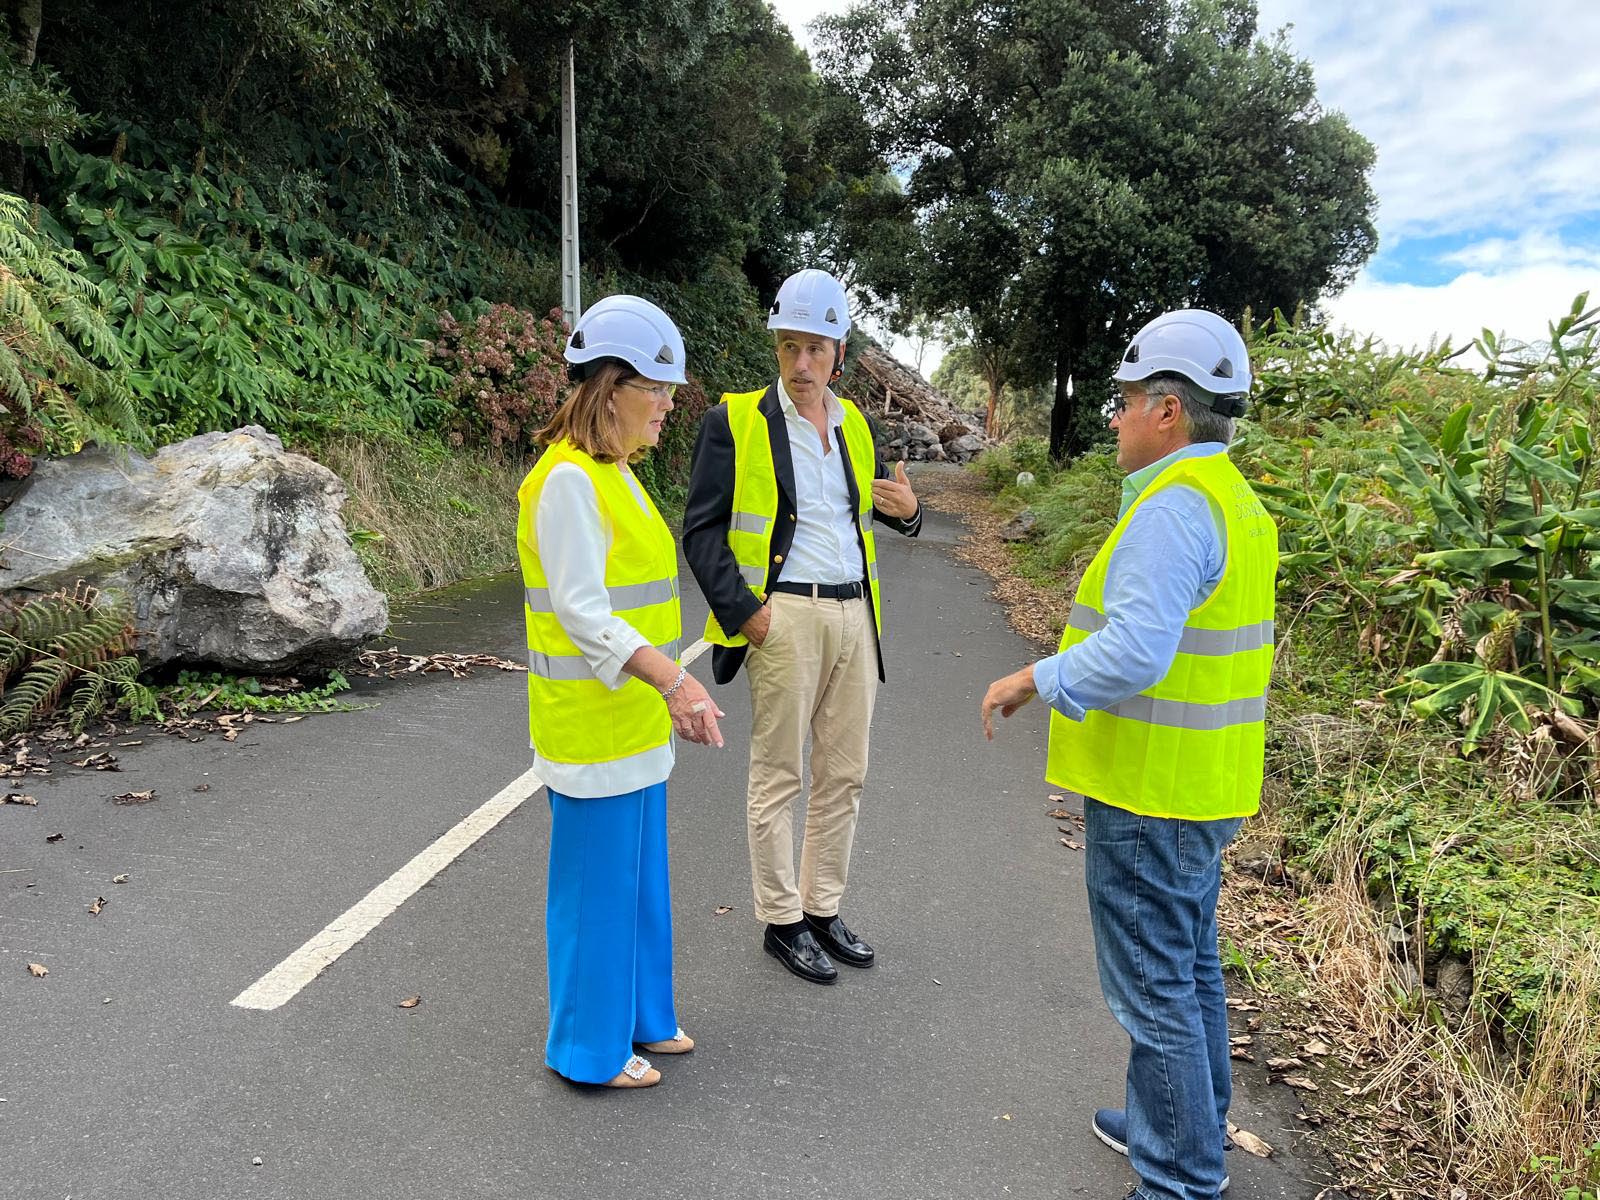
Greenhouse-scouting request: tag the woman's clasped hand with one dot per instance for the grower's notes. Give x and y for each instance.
(694, 712)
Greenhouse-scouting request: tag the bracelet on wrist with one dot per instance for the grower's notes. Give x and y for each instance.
(677, 683)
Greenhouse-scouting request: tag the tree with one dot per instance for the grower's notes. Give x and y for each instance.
(1076, 166)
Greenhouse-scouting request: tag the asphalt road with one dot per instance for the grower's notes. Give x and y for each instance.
(966, 1064)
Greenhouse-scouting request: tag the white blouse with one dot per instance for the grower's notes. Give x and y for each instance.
(573, 543)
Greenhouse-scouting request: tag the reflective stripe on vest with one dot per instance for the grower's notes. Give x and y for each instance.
(632, 595)
(755, 501)
(1193, 745)
(1194, 641)
(572, 716)
(1182, 714)
(575, 666)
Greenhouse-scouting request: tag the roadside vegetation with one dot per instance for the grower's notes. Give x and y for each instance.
(1426, 867)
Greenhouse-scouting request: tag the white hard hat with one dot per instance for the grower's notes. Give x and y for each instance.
(1201, 346)
(811, 301)
(633, 330)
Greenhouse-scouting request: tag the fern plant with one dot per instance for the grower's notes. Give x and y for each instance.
(62, 370)
(73, 647)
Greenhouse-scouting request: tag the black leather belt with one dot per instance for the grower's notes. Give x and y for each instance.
(824, 591)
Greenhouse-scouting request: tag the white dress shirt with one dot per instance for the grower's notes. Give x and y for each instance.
(573, 543)
(825, 549)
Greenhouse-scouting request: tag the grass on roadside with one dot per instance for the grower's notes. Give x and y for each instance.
(424, 516)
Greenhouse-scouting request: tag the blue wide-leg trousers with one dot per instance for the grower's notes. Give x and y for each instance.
(608, 931)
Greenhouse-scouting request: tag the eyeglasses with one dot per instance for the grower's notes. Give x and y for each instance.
(1120, 404)
(661, 391)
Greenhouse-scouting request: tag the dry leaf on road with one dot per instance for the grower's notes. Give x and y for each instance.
(410, 1002)
(38, 970)
(134, 798)
(19, 798)
(55, 837)
(1248, 1142)
(94, 909)
(1284, 1064)
(1299, 1081)
(724, 908)
(119, 879)
(1317, 1046)
(100, 762)
(1071, 845)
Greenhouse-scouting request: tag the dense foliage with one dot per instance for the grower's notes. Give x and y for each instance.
(1458, 536)
(62, 381)
(1437, 685)
(336, 220)
(506, 374)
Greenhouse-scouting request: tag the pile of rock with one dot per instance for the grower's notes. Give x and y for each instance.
(914, 421)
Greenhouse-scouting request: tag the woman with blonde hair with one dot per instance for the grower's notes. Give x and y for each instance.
(606, 695)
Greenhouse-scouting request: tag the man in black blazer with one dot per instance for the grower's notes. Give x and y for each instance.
(778, 534)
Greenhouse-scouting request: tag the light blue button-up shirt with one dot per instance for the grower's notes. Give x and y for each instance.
(1169, 559)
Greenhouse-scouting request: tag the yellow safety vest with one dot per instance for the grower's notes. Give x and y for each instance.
(572, 716)
(1193, 745)
(755, 501)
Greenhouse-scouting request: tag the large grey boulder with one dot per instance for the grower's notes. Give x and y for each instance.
(230, 549)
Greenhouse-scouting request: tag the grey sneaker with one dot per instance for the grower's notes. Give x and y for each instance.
(1111, 1127)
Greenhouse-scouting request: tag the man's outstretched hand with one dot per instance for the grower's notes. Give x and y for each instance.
(1008, 695)
(894, 497)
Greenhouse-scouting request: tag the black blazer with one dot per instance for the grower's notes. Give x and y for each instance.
(709, 511)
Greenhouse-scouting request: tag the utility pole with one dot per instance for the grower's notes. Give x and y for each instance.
(571, 304)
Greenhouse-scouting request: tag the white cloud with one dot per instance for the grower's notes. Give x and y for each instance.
(1518, 303)
(1485, 114)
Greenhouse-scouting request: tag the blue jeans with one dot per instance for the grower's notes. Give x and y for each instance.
(1153, 885)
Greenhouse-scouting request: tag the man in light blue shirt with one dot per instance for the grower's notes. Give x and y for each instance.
(1153, 876)
(1168, 561)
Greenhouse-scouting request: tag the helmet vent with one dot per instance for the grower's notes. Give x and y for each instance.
(831, 317)
(577, 339)
(775, 307)
(1223, 369)
(1133, 353)
(664, 355)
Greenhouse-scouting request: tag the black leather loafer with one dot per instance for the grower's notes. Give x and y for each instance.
(838, 941)
(802, 956)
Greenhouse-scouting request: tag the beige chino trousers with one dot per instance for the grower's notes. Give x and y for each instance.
(816, 671)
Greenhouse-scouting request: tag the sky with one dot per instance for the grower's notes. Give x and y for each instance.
(1486, 119)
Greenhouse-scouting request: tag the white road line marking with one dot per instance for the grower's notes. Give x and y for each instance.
(281, 984)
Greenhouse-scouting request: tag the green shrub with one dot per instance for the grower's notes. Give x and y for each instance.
(1077, 511)
(71, 650)
(1001, 464)
(1466, 556)
(506, 375)
(63, 380)
(228, 313)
